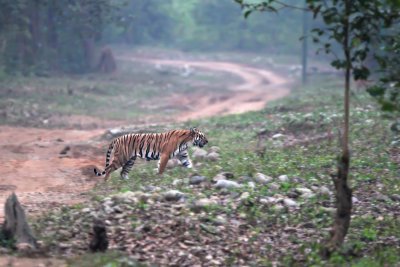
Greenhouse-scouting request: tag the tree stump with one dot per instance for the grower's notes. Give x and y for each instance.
(15, 226)
(107, 62)
(99, 240)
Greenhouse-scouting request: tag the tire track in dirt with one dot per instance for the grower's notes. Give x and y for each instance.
(43, 178)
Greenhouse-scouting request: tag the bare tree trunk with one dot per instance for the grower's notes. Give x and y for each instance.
(15, 226)
(343, 191)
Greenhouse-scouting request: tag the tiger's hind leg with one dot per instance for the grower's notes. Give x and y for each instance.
(127, 168)
(183, 157)
(112, 167)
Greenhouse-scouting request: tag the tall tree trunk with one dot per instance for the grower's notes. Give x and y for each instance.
(343, 191)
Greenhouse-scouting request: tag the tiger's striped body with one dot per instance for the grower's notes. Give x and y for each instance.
(151, 146)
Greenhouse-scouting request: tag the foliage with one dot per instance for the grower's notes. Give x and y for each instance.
(43, 35)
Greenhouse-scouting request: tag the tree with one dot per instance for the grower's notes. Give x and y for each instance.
(353, 25)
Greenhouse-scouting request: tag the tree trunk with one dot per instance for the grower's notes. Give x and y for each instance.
(15, 226)
(343, 191)
(89, 49)
(107, 62)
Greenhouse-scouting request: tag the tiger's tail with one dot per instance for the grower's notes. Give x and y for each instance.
(108, 156)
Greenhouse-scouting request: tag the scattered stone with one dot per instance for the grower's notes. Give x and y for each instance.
(383, 198)
(268, 200)
(173, 195)
(172, 163)
(177, 182)
(223, 176)
(273, 186)
(65, 150)
(220, 220)
(199, 153)
(354, 200)
(127, 197)
(278, 136)
(213, 156)
(283, 178)
(323, 190)
(251, 184)
(214, 149)
(290, 203)
(328, 210)
(395, 197)
(195, 180)
(226, 184)
(303, 190)
(308, 195)
(201, 204)
(261, 178)
(278, 207)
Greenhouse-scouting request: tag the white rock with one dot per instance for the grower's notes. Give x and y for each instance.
(290, 203)
(278, 136)
(262, 178)
(214, 149)
(283, 178)
(307, 195)
(244, 196)
(213, 156)
(303, 190)
(323, 190)
(199, 153)
(268, 200)
(194, 180)
(354, 199)
(226, 184)
(172, 163)
(251, 184)
(273, 186)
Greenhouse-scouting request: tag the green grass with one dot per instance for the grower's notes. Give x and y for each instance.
(308, 112)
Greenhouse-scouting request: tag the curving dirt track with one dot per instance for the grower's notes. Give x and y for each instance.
(48, 168)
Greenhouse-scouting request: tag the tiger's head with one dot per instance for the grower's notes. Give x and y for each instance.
(199, 139)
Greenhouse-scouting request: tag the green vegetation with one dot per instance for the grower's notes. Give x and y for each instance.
(308, 119)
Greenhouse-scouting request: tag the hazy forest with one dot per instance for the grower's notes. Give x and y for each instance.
(220, 132)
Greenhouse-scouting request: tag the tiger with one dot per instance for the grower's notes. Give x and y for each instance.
(151, 146)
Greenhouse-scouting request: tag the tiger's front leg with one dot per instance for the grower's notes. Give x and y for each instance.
(183, 157)
(162, 163)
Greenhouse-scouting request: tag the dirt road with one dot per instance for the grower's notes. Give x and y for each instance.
(48, 168)
(258, 87)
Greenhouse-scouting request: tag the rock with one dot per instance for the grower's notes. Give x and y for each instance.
(244, 196)
(395, 197)
(127, 197)
(307, 195)
(354, 200)
(199, 153)
(195, 180)
(303, 190)
(323, 190)
(261, 178)
(172, 163)
(223, 176)
(278, 207)
(382, 198)
(201, 204)
(290, 203)
(177, 182)
(278, 136)
(283, 178)
(220, 220)
(214, 149)
(173, 195)
(213, 156)
(226, 184)
(328, 210)
(268, 200)
(245, 179)
(251, 184)
(273, 186)
(86, 210)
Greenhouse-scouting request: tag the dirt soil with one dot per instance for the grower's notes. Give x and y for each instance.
(52, 167)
